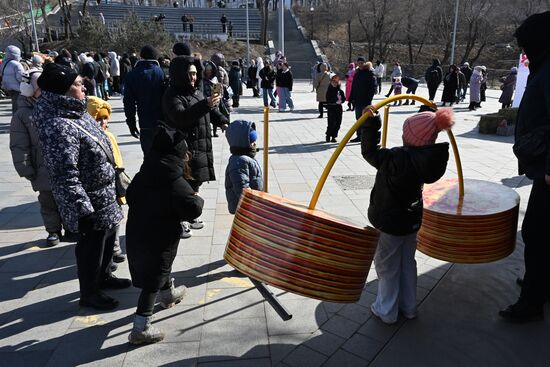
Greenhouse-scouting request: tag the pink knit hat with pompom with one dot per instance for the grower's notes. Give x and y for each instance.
(422, 128)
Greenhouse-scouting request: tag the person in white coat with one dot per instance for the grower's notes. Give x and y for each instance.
(259, 66)
(12, 74)
(115, 71)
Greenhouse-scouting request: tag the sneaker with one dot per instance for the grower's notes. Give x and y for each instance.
(523, 311)
(197, 224)
(114, 267)
(52, 239)
(113, 282)
(186, 230)
(119, 258)
(273, 104)
(291, 109)
(333, 140)
(99, 301)
(383, 319)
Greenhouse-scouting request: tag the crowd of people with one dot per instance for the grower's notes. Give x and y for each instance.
(60, 142)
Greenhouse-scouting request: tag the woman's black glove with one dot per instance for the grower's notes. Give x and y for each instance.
(86, 223)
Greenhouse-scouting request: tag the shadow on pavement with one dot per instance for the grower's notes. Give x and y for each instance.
(474, 134)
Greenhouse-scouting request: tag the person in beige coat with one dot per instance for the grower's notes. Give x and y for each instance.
(27, 160)
(321, 83)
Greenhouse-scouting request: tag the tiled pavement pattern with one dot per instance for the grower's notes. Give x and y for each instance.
(223, 321)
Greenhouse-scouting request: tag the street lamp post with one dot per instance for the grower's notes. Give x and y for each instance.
(311, 22)
(282, 26)
(247, 38)
(454, 34)
(34, 27)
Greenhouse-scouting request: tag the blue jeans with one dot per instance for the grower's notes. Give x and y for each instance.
(396, 268)
(265, 93)
(285, 97)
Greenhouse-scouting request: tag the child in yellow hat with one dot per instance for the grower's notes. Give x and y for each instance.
(100, 110)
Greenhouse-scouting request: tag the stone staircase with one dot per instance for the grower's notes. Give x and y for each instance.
(298, 50)
(207, 20)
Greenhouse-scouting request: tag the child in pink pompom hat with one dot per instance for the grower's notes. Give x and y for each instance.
(395, 207)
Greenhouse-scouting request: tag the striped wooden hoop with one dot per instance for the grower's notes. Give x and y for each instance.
(283, 243)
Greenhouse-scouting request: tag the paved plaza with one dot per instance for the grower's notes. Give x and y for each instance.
(223, 321)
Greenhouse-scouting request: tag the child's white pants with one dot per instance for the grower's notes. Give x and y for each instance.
(396, 268)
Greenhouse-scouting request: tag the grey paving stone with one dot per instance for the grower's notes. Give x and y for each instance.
(341, 326)
(332, 308)
(234, 303)
(304, 357)
(256, 362)
(228, 339)
(355, 312)
(344, 358)
(281, 345)
(376, 329)
(181, 323)
(99, 346)
(163, 354)
(24, 358)
(307, 316)
(24, 329)
(362, 346)
(324, 342)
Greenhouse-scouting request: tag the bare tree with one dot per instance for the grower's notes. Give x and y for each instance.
(17, 23)
(66, 12)
(42, 5)
(475, 15)
(379, 23)
(519, 10)
(441, 27)
(418, 27)
(263, 6)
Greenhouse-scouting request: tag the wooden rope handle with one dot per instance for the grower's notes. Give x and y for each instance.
(357, 125)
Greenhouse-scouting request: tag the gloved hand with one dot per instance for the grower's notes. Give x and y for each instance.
(134, 131)
(86, 223)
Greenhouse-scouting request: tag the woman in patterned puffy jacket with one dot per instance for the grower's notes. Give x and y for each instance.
(82, 179)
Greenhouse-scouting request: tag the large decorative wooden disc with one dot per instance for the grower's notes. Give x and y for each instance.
(477, 229)
(285, 244)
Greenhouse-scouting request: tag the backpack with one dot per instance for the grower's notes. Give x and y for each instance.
(4, 64)
(433, 76)
(26, 86)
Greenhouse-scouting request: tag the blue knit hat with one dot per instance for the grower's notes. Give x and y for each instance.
(253, 136)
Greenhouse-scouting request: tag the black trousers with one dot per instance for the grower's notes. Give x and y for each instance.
(147, 299)
(432, 89)
(321, 106)
(94, 253)
(536, 236)
(379, 82)
(334, 120)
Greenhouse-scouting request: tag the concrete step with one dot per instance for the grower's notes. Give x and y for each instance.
(298, 50)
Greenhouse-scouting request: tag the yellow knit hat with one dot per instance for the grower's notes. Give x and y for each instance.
(98, 108)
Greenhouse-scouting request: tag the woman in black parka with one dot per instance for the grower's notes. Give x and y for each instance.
(159, 198)
(185, 108)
